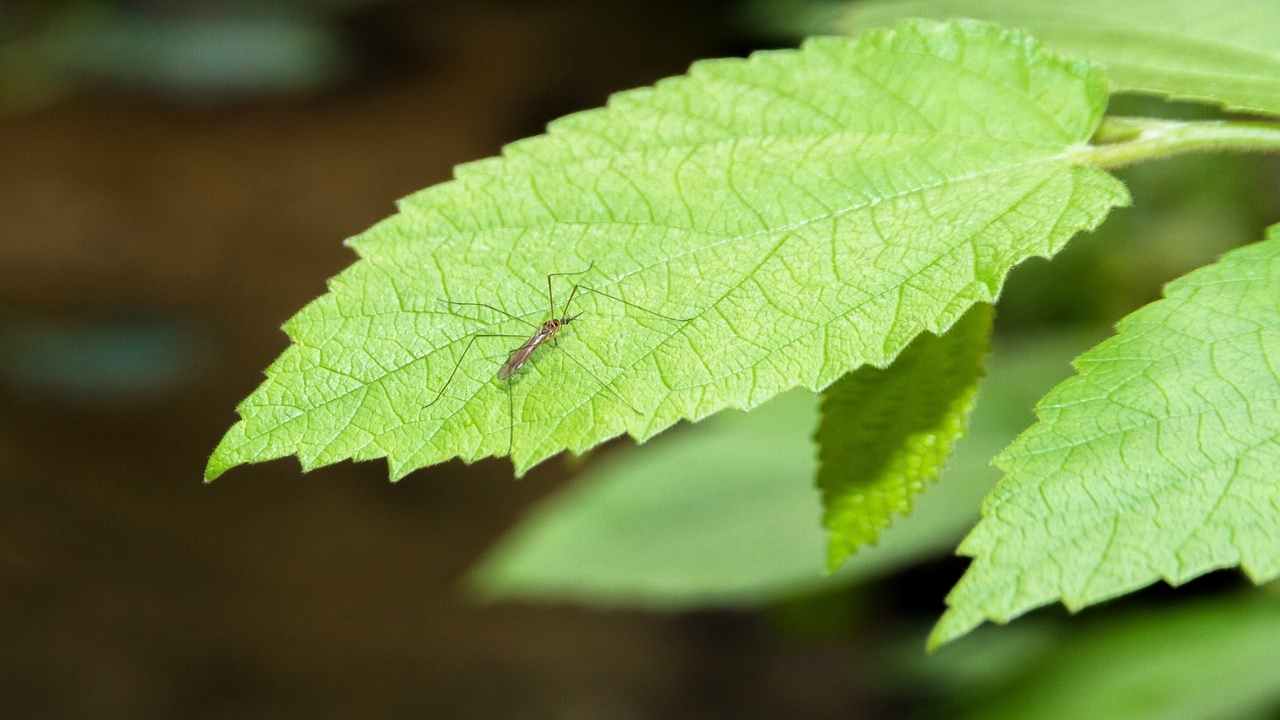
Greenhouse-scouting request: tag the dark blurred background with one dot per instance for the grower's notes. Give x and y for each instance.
(175, 181)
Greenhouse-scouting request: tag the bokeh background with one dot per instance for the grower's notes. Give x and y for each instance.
(175, 180)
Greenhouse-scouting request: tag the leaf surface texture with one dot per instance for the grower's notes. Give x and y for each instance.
(805, 212)
(1157, 461)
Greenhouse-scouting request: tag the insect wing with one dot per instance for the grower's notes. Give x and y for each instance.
(519, 357)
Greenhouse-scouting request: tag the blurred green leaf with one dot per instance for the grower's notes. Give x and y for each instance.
(251, 52)
(790, 18)
(725, 513)
(1198, 659)
(809, 212)
(1156, 461)
(885, 434)
(1226, 53)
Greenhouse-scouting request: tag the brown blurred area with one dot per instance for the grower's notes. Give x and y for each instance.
(153, 242)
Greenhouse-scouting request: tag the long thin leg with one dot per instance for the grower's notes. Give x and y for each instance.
(624, 302)
(551, 300)
(511, 413)
(493, 308)
(603, 385)
(458, 364)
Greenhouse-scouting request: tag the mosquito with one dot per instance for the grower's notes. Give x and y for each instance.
(543, 333)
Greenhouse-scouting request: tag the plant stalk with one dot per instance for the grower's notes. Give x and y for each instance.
(1122, 141)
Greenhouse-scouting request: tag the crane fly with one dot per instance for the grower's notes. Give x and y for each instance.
(544, 333)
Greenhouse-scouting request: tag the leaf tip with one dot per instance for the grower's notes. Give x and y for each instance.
(227, 454)
(837, 553)
(951, 626)
(215, 468)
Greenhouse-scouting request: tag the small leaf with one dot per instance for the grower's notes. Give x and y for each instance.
(885, 434)
(723, 513)
(1158, 461)
(805, 212)
(1220, 53)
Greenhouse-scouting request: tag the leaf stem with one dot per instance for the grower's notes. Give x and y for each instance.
(1122, 141)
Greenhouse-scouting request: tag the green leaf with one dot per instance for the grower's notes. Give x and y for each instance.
(723, 513)
(1158, 461)
(1225, 53)
(885, 434)
(1203, 659)
(810, 211)
(719, 514)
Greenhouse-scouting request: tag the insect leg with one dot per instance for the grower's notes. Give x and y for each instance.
(624, 302)
(551, 298)
(603, 385)
(458, 364)
(493, 308)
